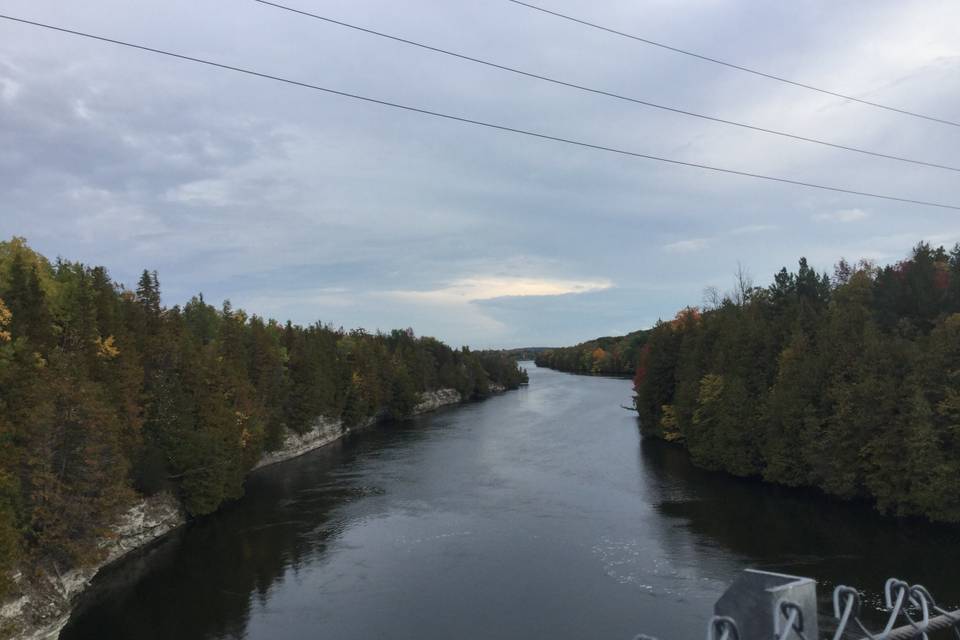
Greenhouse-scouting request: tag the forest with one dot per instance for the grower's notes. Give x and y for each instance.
(524, 353)
(107, 395)
(604, 356)
(847, 382)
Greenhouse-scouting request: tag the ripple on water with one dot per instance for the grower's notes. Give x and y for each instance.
(630, 562)
(405, 541)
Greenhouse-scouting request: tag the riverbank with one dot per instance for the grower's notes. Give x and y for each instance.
(44, 602)
(618, 375)
(42, 607)
(326, 431)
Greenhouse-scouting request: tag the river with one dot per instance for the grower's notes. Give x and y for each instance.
(539, 513)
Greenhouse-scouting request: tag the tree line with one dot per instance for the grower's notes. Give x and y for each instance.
(106, 395)
(848, 382)
(523, 353)
(606, 356)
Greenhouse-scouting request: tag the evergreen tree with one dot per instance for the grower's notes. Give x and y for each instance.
(850, 385)
(105, 393)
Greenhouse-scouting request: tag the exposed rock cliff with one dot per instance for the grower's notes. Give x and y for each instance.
(43, 607)
(433, 400)
(326, 430)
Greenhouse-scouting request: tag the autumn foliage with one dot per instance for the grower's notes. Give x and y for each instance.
(608, 356)
(640, 375)
(849, 383)
(107, 394)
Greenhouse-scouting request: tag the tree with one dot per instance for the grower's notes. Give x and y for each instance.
(403, 394)
(106, 394)
(851, 385)
(27, 303)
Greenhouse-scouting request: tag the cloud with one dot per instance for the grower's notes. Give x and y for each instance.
(296, 204)
(82, 111)
(476, 301)
(687, 246)
(475, 289)
(212, 192)
(9, 89)
(842, 215)
(752, 228)
(699, 244)
(320, 299)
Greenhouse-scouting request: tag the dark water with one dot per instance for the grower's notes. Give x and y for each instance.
(536, 514)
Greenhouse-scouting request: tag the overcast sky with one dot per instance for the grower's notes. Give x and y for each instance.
(303, 205)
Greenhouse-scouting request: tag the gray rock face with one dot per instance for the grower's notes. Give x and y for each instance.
(433, 400)
(42, 608)
(326, 430)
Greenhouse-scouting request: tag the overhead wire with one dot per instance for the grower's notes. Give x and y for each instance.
(480, 123)
(731, 65)
(601, 92)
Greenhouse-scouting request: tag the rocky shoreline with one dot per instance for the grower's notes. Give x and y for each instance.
(44, 604)
(42, 608)
(326, 431)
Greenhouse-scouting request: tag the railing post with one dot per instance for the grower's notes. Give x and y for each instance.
(764, 603)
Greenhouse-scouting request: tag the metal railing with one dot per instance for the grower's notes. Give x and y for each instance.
(769, 606)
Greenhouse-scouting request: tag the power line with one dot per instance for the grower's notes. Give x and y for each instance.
(605, 93)
(478, 123)
(731, 65)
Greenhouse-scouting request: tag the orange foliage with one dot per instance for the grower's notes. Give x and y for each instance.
(688, 316)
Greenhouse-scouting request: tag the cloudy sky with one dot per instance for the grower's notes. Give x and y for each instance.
(297, 204)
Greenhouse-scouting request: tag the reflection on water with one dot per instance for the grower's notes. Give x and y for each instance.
(802, 532)
(237, 554)
(539, 513)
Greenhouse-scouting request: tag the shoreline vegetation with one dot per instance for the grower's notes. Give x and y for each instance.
(44, 604)
(616, 356)
(107, 398)
(847, 383)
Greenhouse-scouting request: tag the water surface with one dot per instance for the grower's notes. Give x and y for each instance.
(539, 513)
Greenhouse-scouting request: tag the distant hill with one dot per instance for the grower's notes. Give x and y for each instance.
(524, 353)
(609, 355)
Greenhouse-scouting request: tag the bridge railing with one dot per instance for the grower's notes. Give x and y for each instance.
(761, 605)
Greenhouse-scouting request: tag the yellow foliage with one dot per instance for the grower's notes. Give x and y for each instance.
(5, 318)
(711, 387)
(949, 408)
(669, 426)
(711, 390)
(106, 349)
(597, 355)
(952, 321)
(17, 246)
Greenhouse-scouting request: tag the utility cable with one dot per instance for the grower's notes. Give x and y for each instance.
(731, 65)
(479, 123)
(605, 93)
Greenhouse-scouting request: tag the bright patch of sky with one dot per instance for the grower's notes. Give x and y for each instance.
(300, 205)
